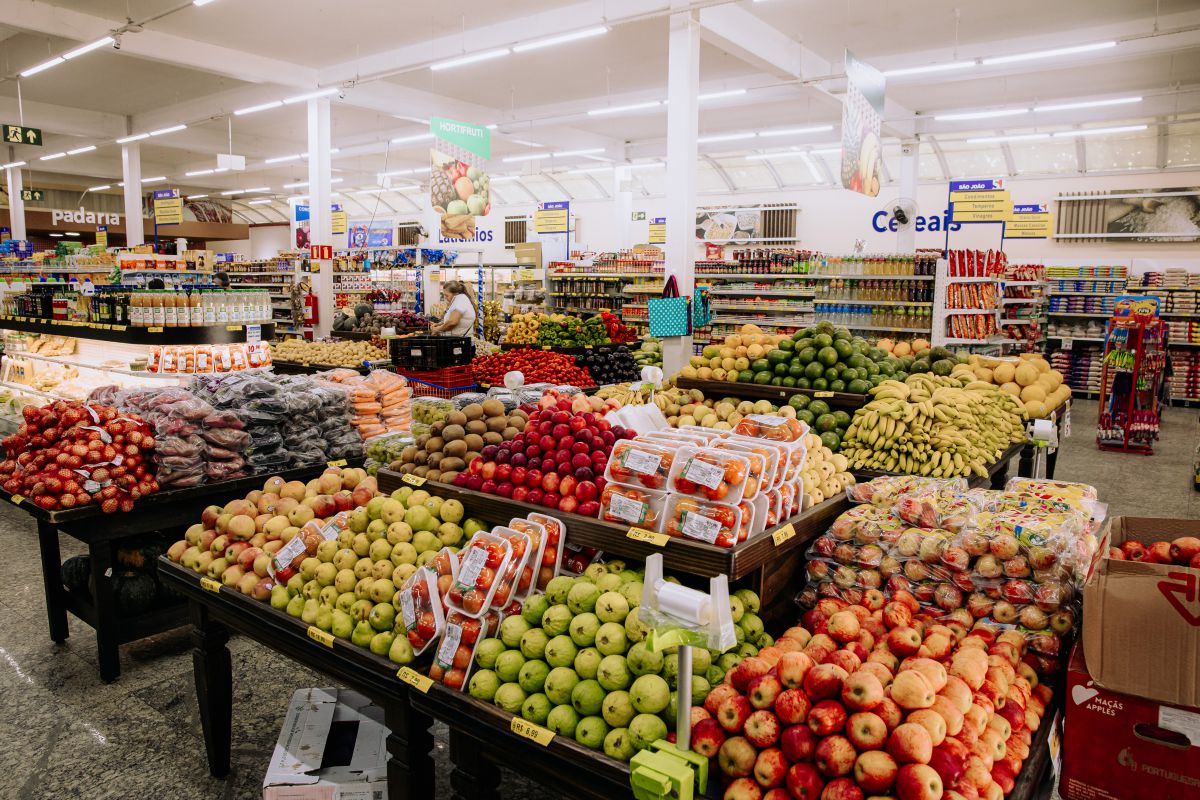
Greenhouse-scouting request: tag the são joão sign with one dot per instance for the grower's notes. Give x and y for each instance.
(882, 222)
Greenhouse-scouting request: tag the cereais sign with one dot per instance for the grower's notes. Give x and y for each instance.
(82, 217)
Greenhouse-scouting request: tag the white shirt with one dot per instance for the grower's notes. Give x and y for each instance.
(466, 322)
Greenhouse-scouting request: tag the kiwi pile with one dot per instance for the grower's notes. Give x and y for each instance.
(456, 441)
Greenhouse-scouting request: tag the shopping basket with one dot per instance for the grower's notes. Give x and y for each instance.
(443, 383)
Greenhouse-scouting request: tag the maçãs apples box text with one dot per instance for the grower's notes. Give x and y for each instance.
(1119, 746)
(1141, 621)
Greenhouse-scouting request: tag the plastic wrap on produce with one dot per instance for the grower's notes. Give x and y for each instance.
(564, 390)
(465, 399)
(510, 400)
(885, 490)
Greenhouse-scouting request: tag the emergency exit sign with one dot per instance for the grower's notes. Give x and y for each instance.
(33, 194)
(19, 134)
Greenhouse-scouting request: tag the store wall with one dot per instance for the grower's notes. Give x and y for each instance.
(265, 241)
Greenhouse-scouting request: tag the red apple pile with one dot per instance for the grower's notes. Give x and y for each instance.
(874, 700)
(557, 462)
(1183, 551)
(68, 454)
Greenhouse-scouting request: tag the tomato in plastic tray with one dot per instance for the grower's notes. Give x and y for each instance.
(637, 463)
(483, 560)
(550, 562)
(764, 461)
(421, 614)
(777, 429)
(625, 505)
(713, 523)
(531, 574)
(455, 653)
(507, 585)
(709, 474)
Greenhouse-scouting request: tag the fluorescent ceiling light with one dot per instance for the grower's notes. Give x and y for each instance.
(100, 188)
(1016, 137)
(588, 152)
(726, 137)
(134, 138)
(56, 235)
(79, 150)
(196, 196)
(526, 157)
(171, 129)
(13, 165)
(281, 159)
(796, 131)
(87, 48)
(596, 112)
(527, 143)
(72, 233)
(297, 185)
(300, 98)
(491, 127)
(417, 171)
(232, 192)
(1000, 112)
(252, 109)
(370, 191)
(945, 66)
(419, 137)
(53, 156)
(537, 44)
(715, 95)
(1117, 101)
(199, 3)
(486, 55)
(155, 179)
(45, 65)
(784, 155)
(198, 173)
(1059, 51)
(1095, 131)
(258, 203)
(588, 170)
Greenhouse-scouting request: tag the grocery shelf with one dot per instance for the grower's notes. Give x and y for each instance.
(1182, 344)
(1083, 294)
(1021, 320)
(959, 312)
(1013, 301)
(1022, 283)
(276, 272)
(994, 340)
(887, 328)
(1076, 338)
(20, 387)
(802, 292)
(774, 323)
(869, 277)
(766, 276)
(83, 364)
(211, 334)
(972, 279)
(734, 307)
(1054, 313)
(841, 302)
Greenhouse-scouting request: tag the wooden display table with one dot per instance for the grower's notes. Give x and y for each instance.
(776, 394)
(997, 472)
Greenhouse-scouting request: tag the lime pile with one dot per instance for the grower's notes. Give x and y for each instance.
(825, 422)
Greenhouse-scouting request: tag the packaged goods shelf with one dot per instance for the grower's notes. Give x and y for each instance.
(868, 277)
(211, 334)
(1054, 313)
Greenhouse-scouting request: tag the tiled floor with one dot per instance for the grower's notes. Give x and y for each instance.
(64, 734)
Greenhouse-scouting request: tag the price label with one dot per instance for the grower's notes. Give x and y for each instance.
(648, 537)
(17, 499)
(783, 534)
(413, 480)
(318, 635)
(208, 584)
(545, 347)
(154, 330)
(822, 394)
(415, 679)
(523, 727)
(233, 327)
(341, 462)
(1067, 343)
(118, 327)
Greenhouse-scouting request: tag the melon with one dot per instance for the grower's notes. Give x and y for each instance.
(1036, 409)
(1055, 376)
(1041, 364)
(1033, 393)
(751, 329)
(885, 344)
(1003, 373)
(1011, 388)
(733, 340)
(901, 349)
(1025, 374)
(984, 374)
(920, 344)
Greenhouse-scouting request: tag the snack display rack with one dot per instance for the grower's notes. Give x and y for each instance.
(1131, 380)
(967, 299)
(1023, 318)
(1080, 301)
(1178, 292)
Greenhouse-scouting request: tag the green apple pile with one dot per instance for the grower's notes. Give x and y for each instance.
(575, 661)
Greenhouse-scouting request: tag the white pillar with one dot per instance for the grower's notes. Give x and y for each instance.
(131, 168)
(910, 160)
(683, 80)
(16, 205)
(320, 173)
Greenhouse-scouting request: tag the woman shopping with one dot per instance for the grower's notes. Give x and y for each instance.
(461, 313)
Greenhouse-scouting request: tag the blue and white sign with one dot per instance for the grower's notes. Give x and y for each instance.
(1030, 208)
(986, 185)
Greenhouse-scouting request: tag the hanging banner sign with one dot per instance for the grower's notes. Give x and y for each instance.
(168, 207)
(552, 217)
(658, 230)
(1030, 221)
(338, 220)
(980, 201)
(459, 188)
(5, 234)
(862, 116)
(102, 236)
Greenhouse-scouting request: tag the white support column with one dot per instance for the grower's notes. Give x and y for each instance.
(683, 79)
(320, 213)
(910, 159)
(131, 168)
(622, 193)
(16, 205)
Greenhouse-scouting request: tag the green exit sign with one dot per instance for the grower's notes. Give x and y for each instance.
(19, 134)
(33, 194)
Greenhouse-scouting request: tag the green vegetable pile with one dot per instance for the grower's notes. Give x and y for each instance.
(559, 331)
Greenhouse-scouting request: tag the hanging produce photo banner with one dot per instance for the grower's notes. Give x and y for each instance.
(862, 116)
(168, 207)
(1029, 221)
(980, 201)
(658, 230)
(552, 217)
(459, 188)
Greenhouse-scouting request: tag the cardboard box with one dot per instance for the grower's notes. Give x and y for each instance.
(1141, 622)
(333, 746)
(1119, 746)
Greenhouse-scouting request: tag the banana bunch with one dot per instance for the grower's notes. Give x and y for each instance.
(639, 394)
(934, 425)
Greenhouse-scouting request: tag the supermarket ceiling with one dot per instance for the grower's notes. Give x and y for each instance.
(766, 66)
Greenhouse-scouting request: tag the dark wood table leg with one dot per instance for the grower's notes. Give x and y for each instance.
(107, 641)
(410, 760)
(213, 670)
(56, 606)
(472, 776)
(1025, 462)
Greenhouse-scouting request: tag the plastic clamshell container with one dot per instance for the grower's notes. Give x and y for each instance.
(749, 519)
(637, 463)
(484, 559)
(455, 654)
(550, 561)
(761, 505)
(421, 610)
(576, 558)
(626, 505)
(713, 523)
(764, 459)
(536, 532)
(674, 438)
(506, 580)
(718, 476)
(774, 428)
(793, 498)
(709, 434)
(774, 503)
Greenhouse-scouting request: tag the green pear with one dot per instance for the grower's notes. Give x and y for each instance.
(361, 609)
(311, 607)
(295, 606)
(401, 651)
(328, 596)
(324, 619)
(345, 601)
(381, 643)
(363, 633)
(398, 532)
(382, 616)
(279, 597)
(343, 625)
(376, 530)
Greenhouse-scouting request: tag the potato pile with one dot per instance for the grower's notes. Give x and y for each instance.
(454, 442)
(338, 354)
(1028, 378)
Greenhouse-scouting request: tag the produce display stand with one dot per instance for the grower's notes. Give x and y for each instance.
(103, 533)
(128, 334)
(777, 394)
(213, 614)
(997, 472)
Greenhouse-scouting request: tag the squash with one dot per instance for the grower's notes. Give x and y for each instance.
(133, 592)
(76, 573)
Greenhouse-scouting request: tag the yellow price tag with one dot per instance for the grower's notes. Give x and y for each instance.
(523, 727)
(210, 585)
(413, 480)
(118, 327)
(318, 635)
(154, 330)
(783, 534)
(233, 327)
(822, 394)
(545, 347)
(415, 679)
(649, 537)
(17, 499)
(341, 462)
